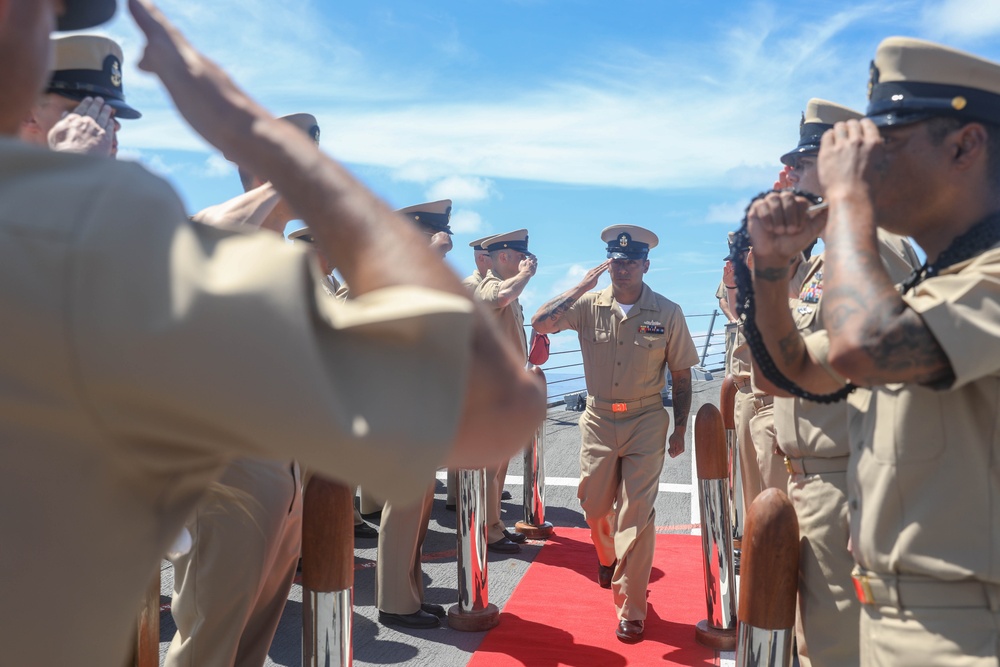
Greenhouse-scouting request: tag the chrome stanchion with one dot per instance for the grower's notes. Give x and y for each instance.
(535, 526)
(327, 573)
(474, 612)
(718, 631)
(727, 406)
(769, 583)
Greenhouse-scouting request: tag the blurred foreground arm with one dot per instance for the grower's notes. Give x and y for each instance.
(371, 246)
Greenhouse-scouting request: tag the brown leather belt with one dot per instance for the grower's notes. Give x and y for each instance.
(912, 591)
(624, 406)
(812, 465)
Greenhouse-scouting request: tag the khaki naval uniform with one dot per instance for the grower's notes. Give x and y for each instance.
(622, 451)
(923, 489)
(144, 352)
(230, 589)
(470, 283)
(814, 438)
(511, 320)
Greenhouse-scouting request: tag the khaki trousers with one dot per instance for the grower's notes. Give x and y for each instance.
(930, 636)
(753, 484)
(231, 588)
(620, 462)
(773, 473)
(399, 578)
(828, 613)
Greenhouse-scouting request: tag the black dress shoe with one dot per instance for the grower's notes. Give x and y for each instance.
(629, 632)
(364, 531)
(435, 609)
(505, 495)
(418, 620)
(503, 546)
(451, 508)
(515, 537)
(736, 561)
(605, 574)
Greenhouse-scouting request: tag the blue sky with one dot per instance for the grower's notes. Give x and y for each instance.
(563, 117)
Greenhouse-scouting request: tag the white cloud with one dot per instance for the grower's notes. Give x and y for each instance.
(729, 213)
(716, 113)
(963, 19)
(466, 222)
(217, 166)
(464, 189)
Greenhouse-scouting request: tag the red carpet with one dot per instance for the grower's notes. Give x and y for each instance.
(558, 615)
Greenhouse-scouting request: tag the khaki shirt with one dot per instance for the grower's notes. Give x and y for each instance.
(511, 316)
(472, 281)
(807, 429)
(923, 486)
(624, 357)
(142, 352)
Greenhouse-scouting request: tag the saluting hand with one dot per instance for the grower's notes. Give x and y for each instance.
(851, 155)
(783, 183)
(590, 279)
(528, 265)
(88, 130)
(780, 228)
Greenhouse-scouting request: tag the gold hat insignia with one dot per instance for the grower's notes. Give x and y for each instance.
(623, 240)
(958, 103)
(116, 74)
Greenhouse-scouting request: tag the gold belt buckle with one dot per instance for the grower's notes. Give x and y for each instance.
(619, 407)
(788, 466)
(863, 589)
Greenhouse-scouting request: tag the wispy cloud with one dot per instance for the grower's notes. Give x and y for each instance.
(714, 112)
(963, 19)
(465, 189)
(466, 222)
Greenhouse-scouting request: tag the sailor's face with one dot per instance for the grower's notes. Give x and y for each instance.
(804, 176)
(627, 272)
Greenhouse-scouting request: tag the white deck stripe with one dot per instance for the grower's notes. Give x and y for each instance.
(514, 480)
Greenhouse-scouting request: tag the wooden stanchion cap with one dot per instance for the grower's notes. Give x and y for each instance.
(727, 402)
(710, 444)
(327, 536)
(769, 576)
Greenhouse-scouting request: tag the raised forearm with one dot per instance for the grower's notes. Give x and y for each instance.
(548, 317)
(875, 337)
(249, 209)
(511, 288)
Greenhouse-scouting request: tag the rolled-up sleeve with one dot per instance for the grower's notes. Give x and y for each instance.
(962, 311)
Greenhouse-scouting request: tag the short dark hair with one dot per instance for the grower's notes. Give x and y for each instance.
(939, 127)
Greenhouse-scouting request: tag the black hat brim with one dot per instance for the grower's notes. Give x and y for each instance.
(122, 109)
(625, 255)
(82, 14)
(788, 158)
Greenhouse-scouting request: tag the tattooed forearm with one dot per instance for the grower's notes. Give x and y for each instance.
(792, 348)
(902, 345)
(552, 311)
(772, 275)
(681, 395)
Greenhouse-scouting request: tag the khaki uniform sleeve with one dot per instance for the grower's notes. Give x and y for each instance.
(224, 344)
(488, 291)
(818, 345)
(681, 352)
(961, 311)
(720, 293)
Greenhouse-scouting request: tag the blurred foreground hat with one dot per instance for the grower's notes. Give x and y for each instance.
(912, 80)
(305, 122)
(818, 117)
(82, 14)
(516, 240)
(432, 216)
(89, 66)
(628, 241)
